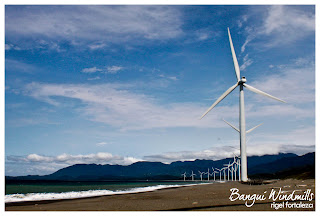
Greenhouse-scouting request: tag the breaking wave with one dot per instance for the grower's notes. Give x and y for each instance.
(81, 194)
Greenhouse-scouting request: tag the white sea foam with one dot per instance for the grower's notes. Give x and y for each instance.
(81, 194)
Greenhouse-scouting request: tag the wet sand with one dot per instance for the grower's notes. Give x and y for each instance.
(209, 197)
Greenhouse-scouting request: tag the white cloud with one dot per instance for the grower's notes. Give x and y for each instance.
(219, 153)
(97, 46)
(110, 69)
(119, 106)
(91, 70)
(11, 47)
(299, 141)
(37, 158)
(102, 143)
(67, 159)
(174, 78)
(287, 24)
(114, 69)
(19, 66)
(242, 20)
(115, 105)
(94, 78)
(34, 164)
(49, 45)
(107, 24)
(203, 34)
(294, 83)
(281, 25)
(288, 19)
(246, 62)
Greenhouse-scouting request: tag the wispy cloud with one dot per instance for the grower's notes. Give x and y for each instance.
(286, 84)
(67, 159)
(78, 24)
(280, 26)
(174, 78)
(117, 106)
(288, 19)
(11, 47)
(242, 20)
(96, 46)
(246, 62)
(299, 141)
(94, 78)
(218, 153)
(36, 164)
(110, 69)
(34, 120)
(91, 70)
(19, 66)
(102, 144)
(114, 69)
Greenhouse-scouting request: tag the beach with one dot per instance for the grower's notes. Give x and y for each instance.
(206, 197)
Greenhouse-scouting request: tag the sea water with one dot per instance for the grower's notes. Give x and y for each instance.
(22, 191)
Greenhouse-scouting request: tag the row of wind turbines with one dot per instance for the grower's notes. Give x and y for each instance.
(230, 172)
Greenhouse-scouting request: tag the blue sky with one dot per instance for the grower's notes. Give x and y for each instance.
(120, 84)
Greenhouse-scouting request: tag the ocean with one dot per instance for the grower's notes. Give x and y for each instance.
(21, 191)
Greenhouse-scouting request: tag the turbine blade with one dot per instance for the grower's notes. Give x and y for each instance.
(262, 93)
(220, 98)
(248, 131)
(235, 61)
(231, 125)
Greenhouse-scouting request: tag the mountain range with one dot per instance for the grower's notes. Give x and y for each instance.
(266, 166)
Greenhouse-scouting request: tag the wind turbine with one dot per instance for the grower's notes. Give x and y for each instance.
(214, 174)
(239, 163)
(192, 175)
(236, 161)
(224, 173)
(235, 169)
(184, 176)
(208, 174)
(241, 82)
(229, 170)
(201, 173)
(219, 172)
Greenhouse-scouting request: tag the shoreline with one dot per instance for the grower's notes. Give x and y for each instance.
(112, 193)
(182, 198)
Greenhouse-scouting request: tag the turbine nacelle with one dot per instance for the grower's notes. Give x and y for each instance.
(242, 80)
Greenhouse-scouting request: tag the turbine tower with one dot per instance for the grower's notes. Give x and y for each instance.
(192, 175)
(241, 82)
(184, 176)
(208, 174)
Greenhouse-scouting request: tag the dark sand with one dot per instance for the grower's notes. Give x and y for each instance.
(211, 197)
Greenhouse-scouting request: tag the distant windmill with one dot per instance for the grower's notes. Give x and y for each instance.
(184, 176)
(229, 169)
(239, 165)
(224, 173)
(214, 174)
(192, 176)
(235, 169)
(208, 173)
(219, 172)
(201, 173)
(236, 163)
(242, 125)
